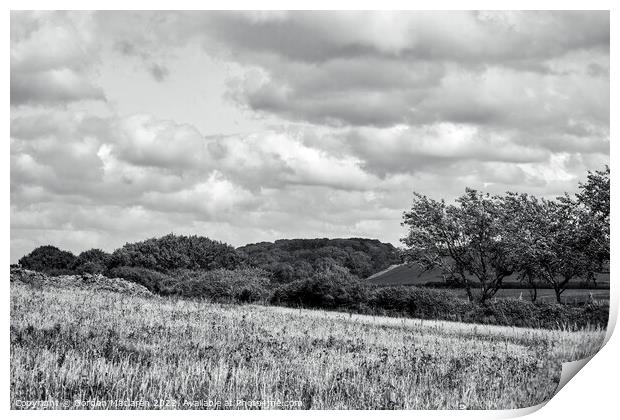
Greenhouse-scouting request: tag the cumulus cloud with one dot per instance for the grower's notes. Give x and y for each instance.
(52, 55)
(383, 69)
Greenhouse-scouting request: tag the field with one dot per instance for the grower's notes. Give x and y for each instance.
(410, 275)
(69, 346)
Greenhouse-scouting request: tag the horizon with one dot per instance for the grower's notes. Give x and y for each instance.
(76, 253)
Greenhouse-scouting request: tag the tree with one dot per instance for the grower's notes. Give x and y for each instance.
(362, 257)
(91, 261)
(172, 252)
(48, 259)
(464, 240)
(554, 241)
(594, 196)
(523, 230)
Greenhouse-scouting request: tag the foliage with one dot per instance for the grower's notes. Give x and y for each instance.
(333, 288)
(173, 252)
(594, 196)
(299, 259)
(481, 240)
(93, 261)
(151, 279)
(464, 240)
(418, 302)
(554, 241)
(521, 313)
(48, 259)
(239, 285)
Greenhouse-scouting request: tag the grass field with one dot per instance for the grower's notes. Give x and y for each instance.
(78, 345)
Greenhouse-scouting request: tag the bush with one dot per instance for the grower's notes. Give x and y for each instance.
(48, 259)
(435, 304)
(418, 302)
(513, 312)
(155, 281)
(240, 285)
(523, 313)
(93, 261)
(335, 292)
(390, 299)
(172, 252)
(334, 288)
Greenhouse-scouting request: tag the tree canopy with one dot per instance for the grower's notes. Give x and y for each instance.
(294, 259)
(481, 239)
(172, 252)
(48, 258)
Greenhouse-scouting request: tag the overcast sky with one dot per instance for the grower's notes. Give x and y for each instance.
(248, 127)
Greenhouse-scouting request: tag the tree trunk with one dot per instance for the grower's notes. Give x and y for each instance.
(558, 294)
(468, 290)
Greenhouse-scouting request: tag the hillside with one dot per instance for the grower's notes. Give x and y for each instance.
(295, 259)
(101, 346)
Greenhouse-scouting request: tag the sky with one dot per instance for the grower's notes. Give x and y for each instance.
(254, 126)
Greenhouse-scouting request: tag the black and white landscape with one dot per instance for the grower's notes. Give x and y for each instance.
(306, 210)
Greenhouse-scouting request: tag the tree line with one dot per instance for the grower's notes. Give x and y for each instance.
(283, 261)
(481, 239)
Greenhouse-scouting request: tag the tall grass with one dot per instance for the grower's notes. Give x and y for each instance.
(84, 345)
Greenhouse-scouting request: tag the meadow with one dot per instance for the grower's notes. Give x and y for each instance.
(81, 345)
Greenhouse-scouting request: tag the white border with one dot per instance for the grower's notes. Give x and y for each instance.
(593, 394)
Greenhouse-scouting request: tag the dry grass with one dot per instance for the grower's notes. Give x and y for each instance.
(83, 345)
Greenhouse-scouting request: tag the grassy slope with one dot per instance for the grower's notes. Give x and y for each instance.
(82, 345)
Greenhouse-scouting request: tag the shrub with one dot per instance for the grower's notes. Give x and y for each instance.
(173, 252)
(523, 313)
(93, 261)
(48, 259)
(153, 280)
(435, 304)
(389, 299)
(334, 288)
(514, 312)
(221, 285)
(418, 302)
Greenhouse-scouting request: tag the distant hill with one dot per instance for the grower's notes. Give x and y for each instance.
(413, 275)
(405, 275)
(294, 259)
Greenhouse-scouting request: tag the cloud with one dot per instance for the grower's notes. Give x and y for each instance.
(80, 181)
(346, 113)
(383, 69)
(473, 37)
(405, 149)
(51, 87)
(52, 55)
(159, 72)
